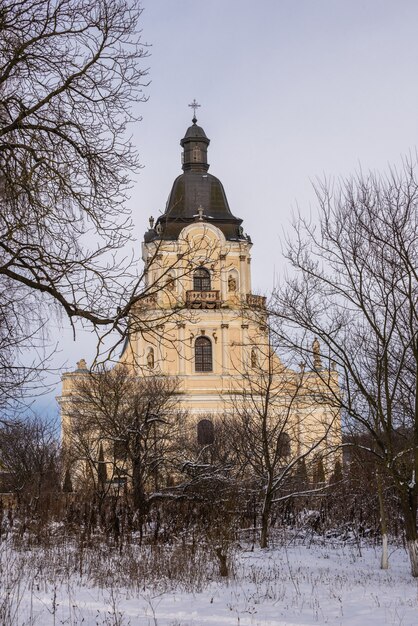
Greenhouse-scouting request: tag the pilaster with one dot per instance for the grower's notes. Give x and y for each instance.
(225, 348)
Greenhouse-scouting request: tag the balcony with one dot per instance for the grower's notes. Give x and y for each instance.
(256, 302)
(203, 299)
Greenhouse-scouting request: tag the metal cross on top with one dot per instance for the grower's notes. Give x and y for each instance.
(194, 105)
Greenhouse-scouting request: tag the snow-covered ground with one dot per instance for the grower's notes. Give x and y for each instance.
(297, 585)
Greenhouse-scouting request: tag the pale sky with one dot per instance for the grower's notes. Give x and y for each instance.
(290, 90)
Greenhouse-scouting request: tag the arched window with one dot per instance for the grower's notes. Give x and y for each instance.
(205, 433)
(203, 355)
(201, 280)
(284, 445)
(120, 450)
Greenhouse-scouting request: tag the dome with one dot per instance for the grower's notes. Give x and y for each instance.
(194, 132)
(192, 191)
(196, 195)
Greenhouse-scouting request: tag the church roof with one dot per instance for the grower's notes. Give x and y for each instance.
(196, 194)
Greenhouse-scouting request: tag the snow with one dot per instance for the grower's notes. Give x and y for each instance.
(285, 586)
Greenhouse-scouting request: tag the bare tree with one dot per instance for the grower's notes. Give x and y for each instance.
(208, 487)
(279, 420)
(21, 331)
(356, 288)
(127, 424)
(29, 455)
(70, 73)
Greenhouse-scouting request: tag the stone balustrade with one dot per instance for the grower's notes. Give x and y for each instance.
(257, 302)
(203, 299)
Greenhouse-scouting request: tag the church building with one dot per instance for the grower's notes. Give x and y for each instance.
(199, 320)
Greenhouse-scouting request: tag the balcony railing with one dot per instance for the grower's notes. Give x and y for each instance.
(203, 299)
(148, 301)
(257, 302)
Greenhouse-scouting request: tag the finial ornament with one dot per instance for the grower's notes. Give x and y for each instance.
(194, 105)
(316, 354)
(200, 211)
(151, 222)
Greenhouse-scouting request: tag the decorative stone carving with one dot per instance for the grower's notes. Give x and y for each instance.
(254, 359)
(150, 359)
(316, 354)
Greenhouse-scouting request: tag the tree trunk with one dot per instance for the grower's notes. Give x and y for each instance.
(264, 530)
(412, 545)
(223, 567)
(384, 561)
(138, 495)
(265, 519)
(411, 536)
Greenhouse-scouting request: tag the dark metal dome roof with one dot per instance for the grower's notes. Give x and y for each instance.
(196, 195)
(193, 191)
(193, 132)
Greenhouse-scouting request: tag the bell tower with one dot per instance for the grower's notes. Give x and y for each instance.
(205, 325)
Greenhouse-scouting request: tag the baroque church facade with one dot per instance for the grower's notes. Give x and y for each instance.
(199, 320)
